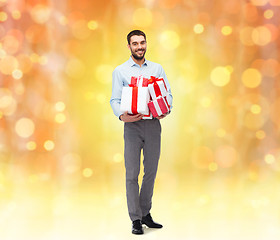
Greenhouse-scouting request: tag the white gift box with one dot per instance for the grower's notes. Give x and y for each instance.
(135, 100)
(157, 89)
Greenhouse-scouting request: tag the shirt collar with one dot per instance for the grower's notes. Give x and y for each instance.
(132, 63)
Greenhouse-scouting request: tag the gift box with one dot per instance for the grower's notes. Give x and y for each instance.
(135, 100)
(159, 106)
(139, 81)
(157, 87)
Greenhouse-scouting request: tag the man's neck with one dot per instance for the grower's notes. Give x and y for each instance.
(138, 61)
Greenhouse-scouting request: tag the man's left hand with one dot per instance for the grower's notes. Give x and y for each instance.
(162, 116)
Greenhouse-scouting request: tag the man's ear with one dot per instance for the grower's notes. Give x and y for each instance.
(128, 46)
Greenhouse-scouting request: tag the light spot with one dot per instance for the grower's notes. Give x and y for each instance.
(268, 14)
(60, 118)
(261, 36)
(25, 127)
(31, 145)
(269, 159)
(260, 134)
(17, 74)
(213, 167)
(169, 40)
(251, 78)
(220, 76)
(3, 16)
(256, 109)
(87, 172)
(40, 13)
(198, 28)
(60, 106)
(92, 25)
(49, 145)
(118, 158)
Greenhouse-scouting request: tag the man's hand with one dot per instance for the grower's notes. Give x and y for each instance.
(162, 116)
(131, 118)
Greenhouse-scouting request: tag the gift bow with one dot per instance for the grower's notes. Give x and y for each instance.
(154, 80)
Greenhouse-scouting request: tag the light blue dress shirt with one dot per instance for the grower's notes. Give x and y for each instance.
(122, 77)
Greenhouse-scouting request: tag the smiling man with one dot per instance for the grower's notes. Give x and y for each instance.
(139, 133)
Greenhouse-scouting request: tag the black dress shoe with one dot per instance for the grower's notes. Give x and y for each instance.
(149, 222)
(137, 227)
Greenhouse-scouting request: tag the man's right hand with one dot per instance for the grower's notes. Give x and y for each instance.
(131, 118)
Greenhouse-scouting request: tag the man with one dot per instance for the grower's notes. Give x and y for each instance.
(139, 133)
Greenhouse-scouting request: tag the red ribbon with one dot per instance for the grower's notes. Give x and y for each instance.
(133, 82)
(134, 100)
(154, 81)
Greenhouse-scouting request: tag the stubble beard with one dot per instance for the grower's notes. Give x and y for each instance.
(137, 57)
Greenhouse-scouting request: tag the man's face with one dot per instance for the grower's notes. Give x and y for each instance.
(138, 47)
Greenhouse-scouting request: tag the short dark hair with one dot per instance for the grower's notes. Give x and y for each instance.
(135, 32)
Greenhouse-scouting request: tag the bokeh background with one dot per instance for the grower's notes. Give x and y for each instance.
(61, 147)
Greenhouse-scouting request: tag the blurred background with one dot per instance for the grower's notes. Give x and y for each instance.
(61, 147)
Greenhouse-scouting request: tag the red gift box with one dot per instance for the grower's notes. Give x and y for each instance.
(158, 107)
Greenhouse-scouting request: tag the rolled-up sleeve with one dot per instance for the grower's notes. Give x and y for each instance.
(117, 86)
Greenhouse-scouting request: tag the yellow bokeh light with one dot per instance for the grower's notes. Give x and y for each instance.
(256, 109)
(101, 98)
(60, 106)
(25, 127)
(220, 76)
(198, 28)
(260, 134)
(40, 13)
(60, 118)
(63, 20)
(92, 25)
(49, 145)
(268, 14)
(226, 30)
(118, 157)
(43, 60)
(31, 145)
(8, 104)
(261, 36)
(8, 64)
(16, 14)
(3, 16)
(213, 167)
(87, 172)
(17, 74)
(221, 132)
(169, 40)
(34, 57)
(251, 78)
(10, 44)
(259, 2)
(142, 17)
(269, 159)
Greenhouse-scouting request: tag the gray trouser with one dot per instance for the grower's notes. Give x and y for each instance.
(146, 135)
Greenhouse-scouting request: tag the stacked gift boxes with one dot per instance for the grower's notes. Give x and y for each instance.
(145, 96)
(158, 91)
